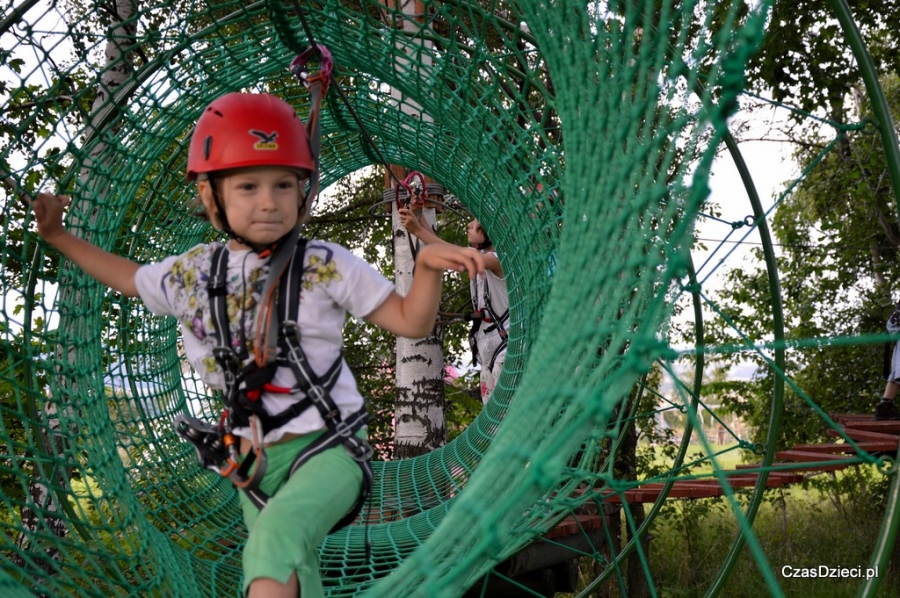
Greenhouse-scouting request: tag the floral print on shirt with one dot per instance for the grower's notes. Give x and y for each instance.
(185, 286)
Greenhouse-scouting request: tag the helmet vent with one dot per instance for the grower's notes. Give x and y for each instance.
(207, 147)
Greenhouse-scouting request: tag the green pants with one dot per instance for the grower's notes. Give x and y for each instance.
(284, 537)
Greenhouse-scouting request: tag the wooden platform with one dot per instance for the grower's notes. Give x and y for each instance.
(867, 435)
(575, 524)
(547, 565)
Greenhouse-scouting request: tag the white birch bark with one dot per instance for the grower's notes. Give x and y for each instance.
(419, 423)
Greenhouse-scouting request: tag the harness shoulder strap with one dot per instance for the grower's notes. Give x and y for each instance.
(237, 373)
(217, 295)
(317, 388)
(497, 321)
(229, 361)
(281, 259)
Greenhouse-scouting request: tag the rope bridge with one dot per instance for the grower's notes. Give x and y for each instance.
(581, 134)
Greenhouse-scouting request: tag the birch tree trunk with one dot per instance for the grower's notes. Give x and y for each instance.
(419, 423)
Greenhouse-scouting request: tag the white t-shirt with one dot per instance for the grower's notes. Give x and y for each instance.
(493, 287)
(335, 282)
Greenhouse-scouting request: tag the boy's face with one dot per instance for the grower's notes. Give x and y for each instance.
(475, 234)
(260, 203)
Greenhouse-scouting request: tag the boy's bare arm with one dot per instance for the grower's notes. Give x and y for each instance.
(413, 316)
(109, 269)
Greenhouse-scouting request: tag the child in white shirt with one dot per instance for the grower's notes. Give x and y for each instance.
(250, 156)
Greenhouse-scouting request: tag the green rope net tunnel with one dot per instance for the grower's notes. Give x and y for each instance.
(582, 136)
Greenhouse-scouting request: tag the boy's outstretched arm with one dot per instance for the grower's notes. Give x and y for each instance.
(112, 270)
(413, 316)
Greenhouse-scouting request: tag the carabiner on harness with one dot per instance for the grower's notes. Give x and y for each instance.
(217, 450)
(210, 442)
(246, 475)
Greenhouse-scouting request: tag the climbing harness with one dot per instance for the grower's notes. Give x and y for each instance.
(246, 377)
(487, 316)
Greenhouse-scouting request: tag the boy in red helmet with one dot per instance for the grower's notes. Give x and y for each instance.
(292, 403)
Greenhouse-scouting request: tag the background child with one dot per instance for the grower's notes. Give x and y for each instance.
(490, 299)
(885, 409)
(250, 156)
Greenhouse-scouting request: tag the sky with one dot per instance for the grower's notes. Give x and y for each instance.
(772, 170)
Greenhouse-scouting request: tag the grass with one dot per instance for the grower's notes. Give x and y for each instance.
(799, 529)
(728, 457)
(829, 521)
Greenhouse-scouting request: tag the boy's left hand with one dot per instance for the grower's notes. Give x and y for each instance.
(444, 256)
(48, 214)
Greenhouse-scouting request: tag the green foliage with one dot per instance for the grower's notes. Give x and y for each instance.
(805, 59)
(686, 522)
(463, 400)
(22, 384)
(489, 89)
(838, 264)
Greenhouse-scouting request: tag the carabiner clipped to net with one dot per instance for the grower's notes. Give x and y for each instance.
(317, 84)
(326, 63)
(414, 185)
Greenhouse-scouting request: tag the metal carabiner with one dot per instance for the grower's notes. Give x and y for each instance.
(326, 64)
(415, 185)
(401, 203)
(207, 440)
(237, 472)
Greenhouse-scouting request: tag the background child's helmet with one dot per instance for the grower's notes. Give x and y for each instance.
(238, 130)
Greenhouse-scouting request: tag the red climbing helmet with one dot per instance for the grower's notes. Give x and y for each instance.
(248, 129)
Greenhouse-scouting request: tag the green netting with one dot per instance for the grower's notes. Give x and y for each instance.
(581, 134)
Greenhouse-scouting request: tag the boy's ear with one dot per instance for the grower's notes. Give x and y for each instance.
(204, 189)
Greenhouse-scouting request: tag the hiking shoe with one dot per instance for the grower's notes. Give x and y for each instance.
(885, 410)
